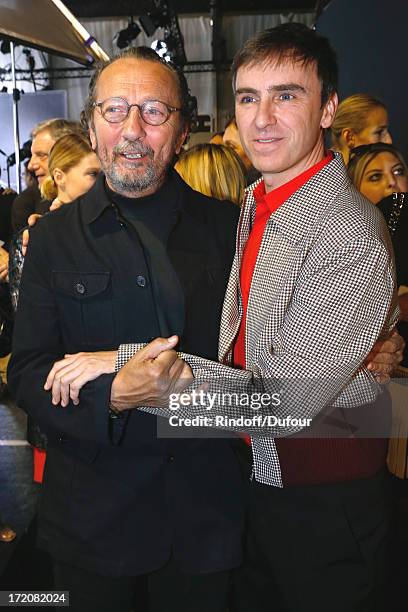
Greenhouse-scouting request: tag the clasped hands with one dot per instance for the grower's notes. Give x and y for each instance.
(147, 379)
(156, 371)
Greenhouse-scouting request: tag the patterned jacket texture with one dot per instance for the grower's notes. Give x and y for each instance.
(322, 293)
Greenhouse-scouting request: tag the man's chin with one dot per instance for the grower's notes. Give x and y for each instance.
(132, 182)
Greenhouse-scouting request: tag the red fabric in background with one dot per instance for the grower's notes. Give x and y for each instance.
(39, 457)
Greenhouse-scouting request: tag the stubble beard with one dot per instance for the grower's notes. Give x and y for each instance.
(134, 181)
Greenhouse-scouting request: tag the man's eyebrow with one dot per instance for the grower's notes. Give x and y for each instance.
(242, 90)
(287, 87)
(273, 88)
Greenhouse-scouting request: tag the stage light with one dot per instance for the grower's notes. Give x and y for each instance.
(154, 20)
(125, 37)
(161, 48)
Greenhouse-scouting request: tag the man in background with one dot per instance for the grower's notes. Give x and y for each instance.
(29, 201)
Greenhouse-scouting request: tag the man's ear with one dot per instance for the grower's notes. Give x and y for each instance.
(348, 137)
(181, 139)
(92, 138)
(329, 111)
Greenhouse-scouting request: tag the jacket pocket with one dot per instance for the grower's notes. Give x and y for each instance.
(85, 303)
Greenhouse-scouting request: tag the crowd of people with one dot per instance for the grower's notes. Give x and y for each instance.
(258, 263)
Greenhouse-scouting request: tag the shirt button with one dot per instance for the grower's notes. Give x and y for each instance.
(141, 281)
(170, 458)
(80, 288)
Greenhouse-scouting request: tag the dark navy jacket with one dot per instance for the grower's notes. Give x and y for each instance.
(125, 509)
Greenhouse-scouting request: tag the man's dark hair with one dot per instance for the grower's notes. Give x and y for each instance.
(142, 53)
(291, 41)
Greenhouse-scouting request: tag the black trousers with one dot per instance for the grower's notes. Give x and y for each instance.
(320, 548)
(164, 590)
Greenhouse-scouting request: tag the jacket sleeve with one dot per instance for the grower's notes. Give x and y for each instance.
(37, 344)
(315, 361)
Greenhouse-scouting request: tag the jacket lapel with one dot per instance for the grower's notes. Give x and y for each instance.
(286, 227)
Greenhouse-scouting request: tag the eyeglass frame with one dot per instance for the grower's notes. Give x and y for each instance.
(170, 109)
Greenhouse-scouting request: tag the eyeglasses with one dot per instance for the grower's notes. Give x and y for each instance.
(153, 112)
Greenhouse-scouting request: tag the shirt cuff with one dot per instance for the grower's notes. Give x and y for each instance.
(126, 352)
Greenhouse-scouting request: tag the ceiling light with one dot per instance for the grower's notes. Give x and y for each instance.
(125, 37)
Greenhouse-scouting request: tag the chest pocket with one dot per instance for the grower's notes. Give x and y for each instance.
(86, 309)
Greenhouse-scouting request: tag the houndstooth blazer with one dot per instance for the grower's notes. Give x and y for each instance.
(322, 293)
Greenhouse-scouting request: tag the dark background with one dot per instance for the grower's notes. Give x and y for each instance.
(370, 37)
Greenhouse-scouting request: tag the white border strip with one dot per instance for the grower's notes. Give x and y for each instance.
(14, 443)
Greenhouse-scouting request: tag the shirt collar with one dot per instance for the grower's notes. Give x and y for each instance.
(277, 196)
(96, 200)
(302, 210)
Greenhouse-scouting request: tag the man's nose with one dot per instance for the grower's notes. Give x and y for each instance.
(32, 164)
(266, 114)
(134, 126)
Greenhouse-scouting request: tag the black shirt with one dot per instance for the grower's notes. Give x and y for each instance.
(151, 219)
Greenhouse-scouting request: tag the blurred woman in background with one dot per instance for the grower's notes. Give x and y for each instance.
(380, 173)
(360, 119)
(214, 170)
(378, 170)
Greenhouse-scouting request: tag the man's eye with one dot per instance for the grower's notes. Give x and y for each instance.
(246, 99)
(285, 97)
(115, 109)
(151, 110)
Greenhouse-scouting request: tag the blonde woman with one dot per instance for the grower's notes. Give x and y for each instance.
(73, 167)
(360, 119)
(214, 170)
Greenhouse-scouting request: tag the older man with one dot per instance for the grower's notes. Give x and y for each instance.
(311, 289)
(44, 135)
(140, 255)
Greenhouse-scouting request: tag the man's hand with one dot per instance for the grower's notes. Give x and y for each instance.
(4, 260)
(68, 376)
(385, 356)
(32, 220)
(56, 203)
(151, 376)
